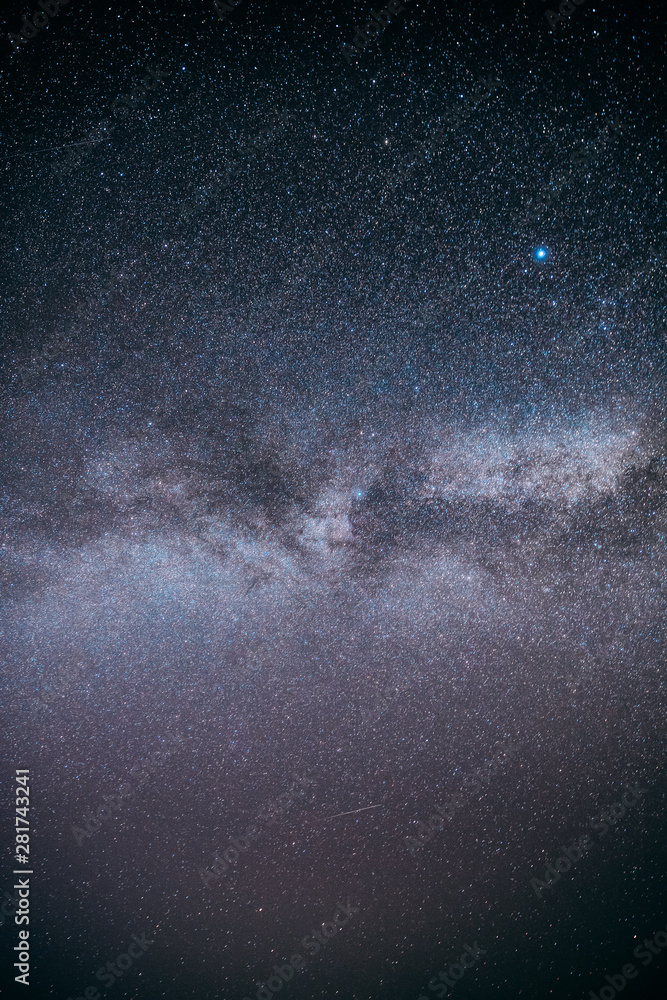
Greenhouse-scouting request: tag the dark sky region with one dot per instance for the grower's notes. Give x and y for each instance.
(333, 500)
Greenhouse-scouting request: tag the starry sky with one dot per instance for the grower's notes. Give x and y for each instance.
(333, 493)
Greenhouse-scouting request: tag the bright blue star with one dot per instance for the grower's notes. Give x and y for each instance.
(541, 253)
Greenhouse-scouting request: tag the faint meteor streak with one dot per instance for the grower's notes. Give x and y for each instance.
(352, 811)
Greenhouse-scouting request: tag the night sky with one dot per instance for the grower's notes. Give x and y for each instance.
(334, 500)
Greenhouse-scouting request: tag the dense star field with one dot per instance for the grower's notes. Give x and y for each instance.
(333, 501)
